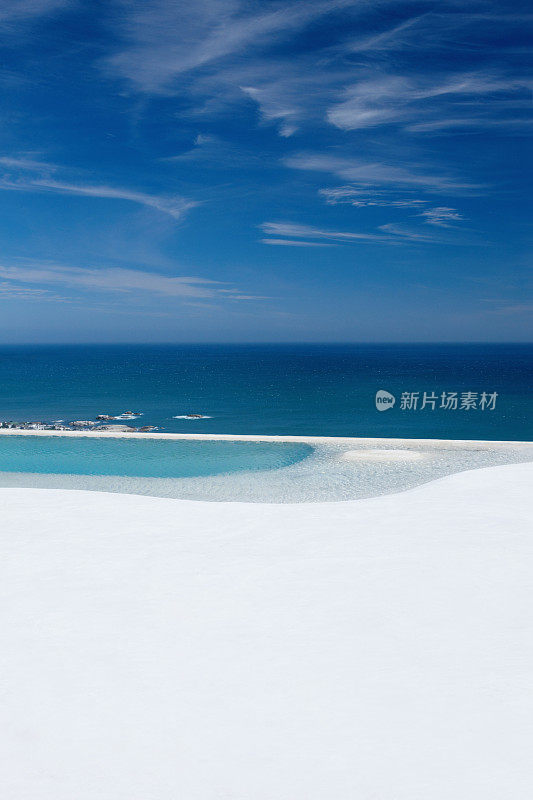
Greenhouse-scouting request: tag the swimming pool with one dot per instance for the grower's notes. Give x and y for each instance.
(149, 458)
(242, 471)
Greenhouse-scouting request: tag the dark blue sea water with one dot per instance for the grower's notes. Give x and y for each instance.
(276, 389)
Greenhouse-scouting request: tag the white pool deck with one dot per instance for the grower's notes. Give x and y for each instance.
(238, 437)
(158, 649)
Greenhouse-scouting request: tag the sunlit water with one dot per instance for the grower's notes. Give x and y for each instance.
(151, 458)
(271, 472)
(307, 390)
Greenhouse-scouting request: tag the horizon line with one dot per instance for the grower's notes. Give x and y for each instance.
(265, 343)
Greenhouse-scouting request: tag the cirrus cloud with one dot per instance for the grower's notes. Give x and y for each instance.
(17, 177)
(117, 280)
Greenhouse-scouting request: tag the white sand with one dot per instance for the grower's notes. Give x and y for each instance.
(385, 454)
(159, 649)
(447, 444)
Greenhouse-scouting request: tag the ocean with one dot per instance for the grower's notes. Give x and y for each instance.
(438, 391)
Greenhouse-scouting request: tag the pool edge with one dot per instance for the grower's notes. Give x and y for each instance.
(273, 438)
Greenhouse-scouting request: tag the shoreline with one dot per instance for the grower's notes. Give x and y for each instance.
(242, 437)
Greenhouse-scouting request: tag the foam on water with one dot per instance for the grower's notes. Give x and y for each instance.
(192, 418)
(325, 472)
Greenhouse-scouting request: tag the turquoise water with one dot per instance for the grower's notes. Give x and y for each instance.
(256, 472)
(311, 390)
(151, 458)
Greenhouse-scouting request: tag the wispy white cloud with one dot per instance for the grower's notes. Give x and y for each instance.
(399, 232)
(114, 279)
(275, 107)
(153, 56)
(369, 174)
(173, 206)
(442, 216)
(14, 291)
(446, 25)
(44, 181)
(359, 198)
(369, 103)
(223, 55)
(291, 93)
(296, 235)
(297, 243)
(426, 99)
(238, 297)
(507, 125)
(27, 163)
(501, 306)
(117, 280)
(284, 229)
(389, 39)
(515, 308)
(228, 49)
(19, 10)
(237, 294)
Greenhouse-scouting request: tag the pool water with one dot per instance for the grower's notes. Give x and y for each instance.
(151, 458)
(242, 471)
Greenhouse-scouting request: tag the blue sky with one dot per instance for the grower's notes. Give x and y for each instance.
(326, 170)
